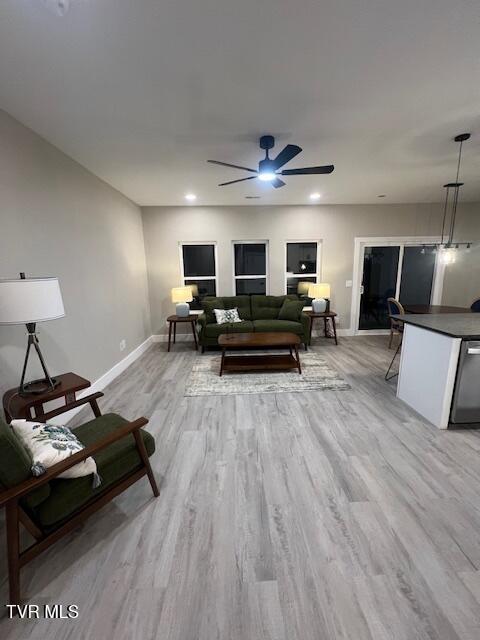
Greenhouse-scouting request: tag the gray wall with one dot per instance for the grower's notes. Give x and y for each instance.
(336, 226)
(58, 219)
(462, 279)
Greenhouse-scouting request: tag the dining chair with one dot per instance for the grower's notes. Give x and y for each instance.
(396, 326)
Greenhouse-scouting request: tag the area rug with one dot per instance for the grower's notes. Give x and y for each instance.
(317, 375)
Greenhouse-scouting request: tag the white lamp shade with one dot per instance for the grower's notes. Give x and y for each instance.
(182, 294)
(194, 290)
(30, 300)
(321, 290)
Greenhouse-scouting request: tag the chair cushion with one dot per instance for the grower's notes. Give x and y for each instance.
(476, 306)
(278, 325)
(268, 307)
(15, 466)
(114, 462)
(214, 330)
(291, 310)
(15, 461)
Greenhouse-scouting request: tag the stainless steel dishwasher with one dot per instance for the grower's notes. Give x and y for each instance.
(466, 395)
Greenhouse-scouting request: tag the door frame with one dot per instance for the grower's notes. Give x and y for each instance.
(389, 241)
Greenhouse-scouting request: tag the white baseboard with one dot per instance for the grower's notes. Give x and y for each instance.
(103, 381)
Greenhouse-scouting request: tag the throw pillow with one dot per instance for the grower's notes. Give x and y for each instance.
(227, 315)
(48, 444)
(208, 305)
(291, 310)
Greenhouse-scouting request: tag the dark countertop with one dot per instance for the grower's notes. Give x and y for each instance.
(455, 325)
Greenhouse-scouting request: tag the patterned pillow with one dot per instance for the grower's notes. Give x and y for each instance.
(48, 444)
(226, 315)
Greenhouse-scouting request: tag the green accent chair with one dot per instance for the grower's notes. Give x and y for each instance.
(258, 314)
(49, 506)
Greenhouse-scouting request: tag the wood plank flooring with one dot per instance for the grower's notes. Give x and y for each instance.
(304, 516)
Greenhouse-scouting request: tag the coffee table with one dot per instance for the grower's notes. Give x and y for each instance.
(261, 361)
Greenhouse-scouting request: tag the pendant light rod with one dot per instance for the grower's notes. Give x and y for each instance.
(456, 186)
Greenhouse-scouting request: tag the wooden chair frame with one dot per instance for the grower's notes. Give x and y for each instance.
(16, 515)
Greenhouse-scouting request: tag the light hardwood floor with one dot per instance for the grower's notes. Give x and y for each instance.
(307, 516)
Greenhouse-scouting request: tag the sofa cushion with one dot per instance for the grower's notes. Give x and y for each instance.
(113, 462)
(214, 330)
(268, 307)
(291, 310)
(278, 325)
(227, 302)
(208, 305)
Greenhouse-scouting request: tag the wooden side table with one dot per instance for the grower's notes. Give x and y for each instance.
(326, 315)
(172, 323)
(32, 406)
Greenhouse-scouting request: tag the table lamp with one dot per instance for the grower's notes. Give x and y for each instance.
(321, 297)
(182, 296)
(194, 289)
(28, 301)
(303, 287)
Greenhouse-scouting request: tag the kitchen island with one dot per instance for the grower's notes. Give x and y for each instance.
(439, 374)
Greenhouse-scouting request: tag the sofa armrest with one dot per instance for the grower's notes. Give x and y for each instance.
(201, 321)
(25, 487)
(305, 320)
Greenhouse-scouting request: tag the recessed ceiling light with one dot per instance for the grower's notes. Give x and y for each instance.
(266, 176)
(191, 197)
(315, 196)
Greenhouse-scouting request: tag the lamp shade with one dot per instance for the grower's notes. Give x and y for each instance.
(30, 300)
(182, 294)
(194, 289)
(321, 290)
(303, 288)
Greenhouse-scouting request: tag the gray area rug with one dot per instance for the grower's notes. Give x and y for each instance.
(316, 375)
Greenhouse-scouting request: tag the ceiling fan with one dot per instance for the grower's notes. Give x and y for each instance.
(268, 169)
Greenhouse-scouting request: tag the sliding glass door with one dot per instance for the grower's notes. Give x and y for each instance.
(405, 272)
(380, 271)
(418, 271)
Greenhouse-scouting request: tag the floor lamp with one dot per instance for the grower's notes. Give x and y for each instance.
(28, 301)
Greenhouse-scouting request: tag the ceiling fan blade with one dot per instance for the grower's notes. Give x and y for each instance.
(223, 184)
(289, 152)
(233, 166)
(277, 183)
(306, 171)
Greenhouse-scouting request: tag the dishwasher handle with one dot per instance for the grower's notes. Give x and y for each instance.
(473, 351)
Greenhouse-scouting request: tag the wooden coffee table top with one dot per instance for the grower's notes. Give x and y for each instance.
(266, 339)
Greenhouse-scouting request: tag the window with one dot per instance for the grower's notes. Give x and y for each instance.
(250, 267)
(198, 263)
(301, 264)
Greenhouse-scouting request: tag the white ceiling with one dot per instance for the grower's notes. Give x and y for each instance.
(143, 92)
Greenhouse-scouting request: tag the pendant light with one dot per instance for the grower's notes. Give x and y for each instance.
(447, 243)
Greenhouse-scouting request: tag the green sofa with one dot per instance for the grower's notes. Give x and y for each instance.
(258, 314)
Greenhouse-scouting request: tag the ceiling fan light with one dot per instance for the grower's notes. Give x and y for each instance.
(266, 176)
